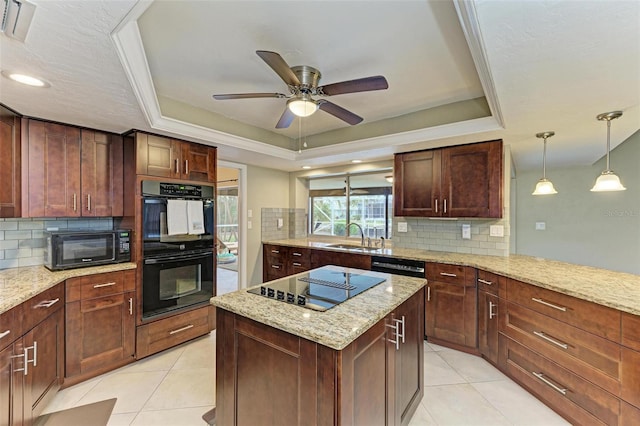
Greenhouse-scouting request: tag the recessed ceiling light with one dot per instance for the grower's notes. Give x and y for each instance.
(356, 161)
(306, 167)
(25, 79)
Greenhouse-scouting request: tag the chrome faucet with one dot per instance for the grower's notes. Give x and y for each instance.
(361, 232)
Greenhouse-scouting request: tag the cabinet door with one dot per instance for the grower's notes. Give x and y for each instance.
(416, 184)
(10, 389)
(472, 180)
(157, 156)
(450, 313)
(52, 170)
(9, 163)
(349, 260)
(198, 162)
(45, 374)
(100, 191)
(488, 326)
(409, 359)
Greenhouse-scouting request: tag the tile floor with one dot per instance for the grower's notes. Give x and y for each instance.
(177, 386)
(226, 281)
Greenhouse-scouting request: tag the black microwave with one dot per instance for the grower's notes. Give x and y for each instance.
(78, 249)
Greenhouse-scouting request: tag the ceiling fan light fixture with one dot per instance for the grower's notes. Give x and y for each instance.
(608, 181)
(302, 106)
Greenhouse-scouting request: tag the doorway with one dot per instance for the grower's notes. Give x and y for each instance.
(230, 233)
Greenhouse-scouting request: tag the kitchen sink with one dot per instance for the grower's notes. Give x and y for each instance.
(353, 247)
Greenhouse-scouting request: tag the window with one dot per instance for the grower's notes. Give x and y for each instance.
(369, 203)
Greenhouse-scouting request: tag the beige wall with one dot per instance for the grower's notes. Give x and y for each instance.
(265, 188)
(588, 228)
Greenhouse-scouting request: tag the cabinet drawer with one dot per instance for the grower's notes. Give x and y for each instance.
(275, 252)
(597, 319)
(299, 258)
(631, 331)
(451, 274)
(629, 415)
(581, 352)
(10, 326)
(630, 373)
(168, 332)
(575, 398)
(99, 285)
(41, 306)
(488, 281)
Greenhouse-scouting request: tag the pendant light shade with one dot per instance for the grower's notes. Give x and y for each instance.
(544, 185)
(608, 181)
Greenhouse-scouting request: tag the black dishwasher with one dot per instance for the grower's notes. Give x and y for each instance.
(398, 266)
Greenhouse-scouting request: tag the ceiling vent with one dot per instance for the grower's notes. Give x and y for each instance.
(16, 18)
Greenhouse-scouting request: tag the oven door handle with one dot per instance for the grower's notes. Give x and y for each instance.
(177, 258)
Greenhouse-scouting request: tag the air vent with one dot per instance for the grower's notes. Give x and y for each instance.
(16, 18)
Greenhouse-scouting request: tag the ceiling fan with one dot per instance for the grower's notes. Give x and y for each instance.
(302, 81)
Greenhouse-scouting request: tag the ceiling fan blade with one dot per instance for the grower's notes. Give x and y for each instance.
(286, 119)
(279, 65)
(366, 84)
(339, 112)
(248, 96)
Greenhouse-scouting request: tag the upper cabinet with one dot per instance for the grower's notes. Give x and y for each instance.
(171, 158)
(69, 172)
(9, 163)
(458, 181)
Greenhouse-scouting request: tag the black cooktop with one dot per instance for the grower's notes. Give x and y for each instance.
(320, 289)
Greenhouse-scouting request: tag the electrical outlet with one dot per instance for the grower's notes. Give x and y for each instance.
(466, 231)
(496, 231)
(402, 227)
(280, 223)
(249, 213)
(249, 225)
(541, 226)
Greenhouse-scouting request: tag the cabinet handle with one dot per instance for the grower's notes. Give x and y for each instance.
(275, 251)
(104, 285)
(186, 167)
(547, 382)
(551, 305)
(428, 294)
(297, 254)
(74, 203)
(436, 205)
(88, 202)
(275, 266)
(26, 360)
(186, 327)
(177, 166)
(480, 280)
(447, 274)
(491, 306)
(445, 206)
(5, 334)
(131, 306)
(398, 323)
(47, 303)
(297, 264)
(549, 339)
(397, 336)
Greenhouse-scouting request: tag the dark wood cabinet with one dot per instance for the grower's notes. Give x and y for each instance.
(10, 181)
(372, 381)
(281, 261)
(100, 324)
(171, 158)
(450, 307)
(350, 260)
(490, 289)
(68, 172)
(459, 181)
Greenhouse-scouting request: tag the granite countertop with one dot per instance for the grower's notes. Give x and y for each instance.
(334, 328)
(616, 290)
(18, 285)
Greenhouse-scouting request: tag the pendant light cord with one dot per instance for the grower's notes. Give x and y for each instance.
(544, 159)
(608, 142)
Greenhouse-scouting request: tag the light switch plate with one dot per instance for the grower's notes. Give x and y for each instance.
(402, 227)
(496, 231)
(249, 225)
(249, 213)
(541, 226)
(466, 231)
(280, 222)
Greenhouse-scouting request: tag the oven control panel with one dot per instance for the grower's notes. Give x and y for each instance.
(180, 190)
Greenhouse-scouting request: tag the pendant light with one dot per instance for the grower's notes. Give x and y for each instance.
(544, 185)
(608, 181)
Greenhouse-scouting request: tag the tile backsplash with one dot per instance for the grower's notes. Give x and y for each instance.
(293, 224)
(22, 240)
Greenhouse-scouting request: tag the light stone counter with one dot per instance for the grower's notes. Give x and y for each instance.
(18, 285)
(336, 327)
(609, 288)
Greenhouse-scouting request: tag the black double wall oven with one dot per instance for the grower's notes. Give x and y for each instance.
(178, 247)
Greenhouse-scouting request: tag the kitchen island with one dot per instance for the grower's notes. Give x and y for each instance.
(359, 362)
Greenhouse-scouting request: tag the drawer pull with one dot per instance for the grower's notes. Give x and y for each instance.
(547, 382)
(297, 254)
(480, 280)
(297, 264)
(131, 306)
(446, 274)
(5, 334)
(103, 285)
(275, 251)
(186, 327)
(550, 340)
(428, 294)
(275, 266)
(551, 305)
(492, 314)
(47, 303)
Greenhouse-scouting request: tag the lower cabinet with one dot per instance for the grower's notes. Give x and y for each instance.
(100, 323)
(165, 333)
(376, 380)
(32, 365)
(488, 326)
